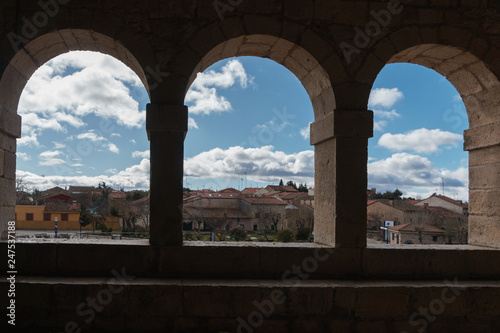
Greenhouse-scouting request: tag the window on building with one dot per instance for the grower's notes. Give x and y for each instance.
(64, 216)
(255, 227)
(29, 216)
(46, 216)
(434, 238)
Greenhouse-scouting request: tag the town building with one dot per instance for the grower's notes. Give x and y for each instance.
(411, 233)
(436, 200)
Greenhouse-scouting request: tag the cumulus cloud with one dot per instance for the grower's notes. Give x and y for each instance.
(416, 174)
(391, 115)
(136, 176)
(421, 140)
(379, 125)
(384, 97)
(23, 156)
(50, 158)
(96, 139)
(192, 123)
(97, 85)
(203, 97)
(306, 131)
(141, 154)
(260, 164)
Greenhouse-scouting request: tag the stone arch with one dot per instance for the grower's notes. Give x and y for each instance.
(42, 49)
(295, 58)
(479, 88)
(15, 77)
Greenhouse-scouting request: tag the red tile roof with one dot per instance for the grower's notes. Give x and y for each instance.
(410, 227)
(216, 212)
(450, 200)
(229, 190)
(251, 190)
(218, 195)
(265, 201)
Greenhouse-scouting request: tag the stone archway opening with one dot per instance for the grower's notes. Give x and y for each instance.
(236, 157)
(479, 89)
(315, 81)
(16, 75)
(416, 154)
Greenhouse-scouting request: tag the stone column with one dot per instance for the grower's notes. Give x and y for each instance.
(167, 127)
(341, 155)
(10, 130)
(483, 144)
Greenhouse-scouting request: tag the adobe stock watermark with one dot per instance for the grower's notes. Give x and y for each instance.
(425, 315)
(88, 308)
(223, 6)
(31, 27)
(155, 77)
(373, 28)
(296, 274)
(267, 132)
(84, 148)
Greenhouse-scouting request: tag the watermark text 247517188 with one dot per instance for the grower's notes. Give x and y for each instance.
(11, 272)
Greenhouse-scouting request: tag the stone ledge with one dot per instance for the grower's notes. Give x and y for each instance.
(257, 261)
(198, 305)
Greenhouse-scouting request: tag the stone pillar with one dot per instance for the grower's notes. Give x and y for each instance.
(341, 155)
(10, 129)
(167, 127)
(483, 144)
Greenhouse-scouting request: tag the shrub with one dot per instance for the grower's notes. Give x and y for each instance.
(303, 234)
(286, 236)
(238, 234)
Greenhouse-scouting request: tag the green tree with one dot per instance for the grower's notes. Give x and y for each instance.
(281, 182)
(292, 184)
(238, 234)
(286, 236)
(86, 217)
(303, 233)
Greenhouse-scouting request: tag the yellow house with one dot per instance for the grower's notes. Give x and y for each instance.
(37, 218)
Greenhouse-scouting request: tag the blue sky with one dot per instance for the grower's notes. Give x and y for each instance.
(84, 122)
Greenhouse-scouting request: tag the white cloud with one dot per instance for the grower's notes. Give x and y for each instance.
(92, 137)
(192, 123)
(136, 176)
(23, 156)
(49, 158)
(141, 154)
(306, 131)
(97, 86)
(30, 140)
(391, 115)
(113, 148)
(118, 135)
(421, 140)
(58, 145)
(203, 96)
(416, 174)
(260, 164)
(133, 141)
(379, 125)
(384, 97)
(112, 171)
